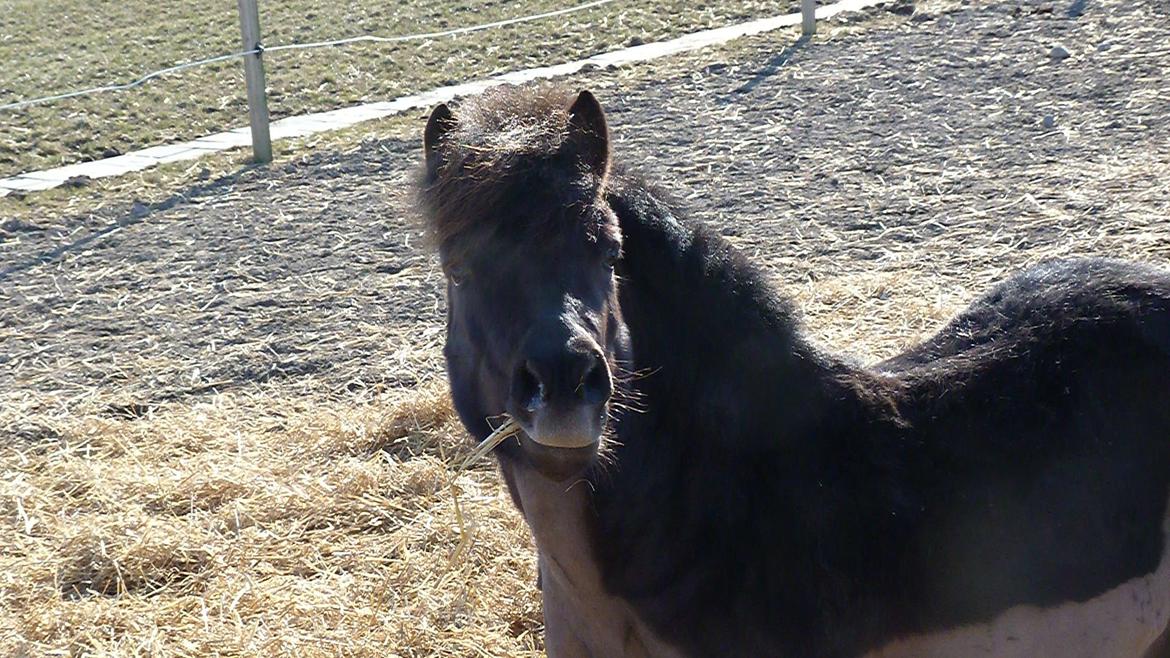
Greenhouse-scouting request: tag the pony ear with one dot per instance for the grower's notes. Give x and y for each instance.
(440, 123)
(588, 133)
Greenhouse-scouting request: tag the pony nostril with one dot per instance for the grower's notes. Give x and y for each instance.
(529, 389)
(596, 386)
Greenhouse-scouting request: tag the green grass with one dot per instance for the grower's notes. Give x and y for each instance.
(53, 46)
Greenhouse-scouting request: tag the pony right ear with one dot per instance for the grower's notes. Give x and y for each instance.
(440, 123)
(589, 134)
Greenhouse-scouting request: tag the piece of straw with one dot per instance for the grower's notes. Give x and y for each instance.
(508, 429)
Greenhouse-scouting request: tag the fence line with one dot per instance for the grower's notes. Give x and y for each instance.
(444, 33)
(422, 36)
(307, 124)
(129, 85)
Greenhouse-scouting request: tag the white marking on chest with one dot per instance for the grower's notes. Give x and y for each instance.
(581, 619)
(1120, 623)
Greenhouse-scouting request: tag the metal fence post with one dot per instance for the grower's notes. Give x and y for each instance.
(254, 75)
(808, 17)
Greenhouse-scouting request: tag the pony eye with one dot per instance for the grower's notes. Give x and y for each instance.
(458, 274)
(612, 254)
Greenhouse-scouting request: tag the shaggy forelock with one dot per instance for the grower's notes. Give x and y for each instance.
(498, 138)
(510, 121)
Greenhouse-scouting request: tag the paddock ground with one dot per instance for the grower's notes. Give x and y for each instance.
(225, 428)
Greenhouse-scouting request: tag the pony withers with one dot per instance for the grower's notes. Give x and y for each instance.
(701, 480)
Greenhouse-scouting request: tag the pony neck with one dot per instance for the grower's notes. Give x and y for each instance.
(714, 346)
(738, 416)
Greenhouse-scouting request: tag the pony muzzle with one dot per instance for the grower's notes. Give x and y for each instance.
(577, 426)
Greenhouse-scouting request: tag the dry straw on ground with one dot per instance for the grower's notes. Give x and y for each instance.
(259, 526)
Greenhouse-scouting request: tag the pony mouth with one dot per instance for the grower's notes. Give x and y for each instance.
(558, 463)
(567, 429)
(563, 442)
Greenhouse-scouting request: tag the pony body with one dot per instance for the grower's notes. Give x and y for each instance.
(762, 497)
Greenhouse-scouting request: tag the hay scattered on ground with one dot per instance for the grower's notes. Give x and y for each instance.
(259, 526)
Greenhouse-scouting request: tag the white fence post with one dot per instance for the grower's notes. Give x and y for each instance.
(254, 75)
(808, 17)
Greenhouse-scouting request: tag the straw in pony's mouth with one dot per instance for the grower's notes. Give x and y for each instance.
(508, 429)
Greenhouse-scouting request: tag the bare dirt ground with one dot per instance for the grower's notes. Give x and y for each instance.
(225, 424)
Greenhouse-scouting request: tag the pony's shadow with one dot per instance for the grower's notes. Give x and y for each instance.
(772, 66)
(134, 214)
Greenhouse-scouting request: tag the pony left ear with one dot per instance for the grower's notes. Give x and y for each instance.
(440, 123)
(588, 133)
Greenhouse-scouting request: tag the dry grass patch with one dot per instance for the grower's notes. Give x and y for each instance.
(870, 317)
(55, 46)
(234, 528)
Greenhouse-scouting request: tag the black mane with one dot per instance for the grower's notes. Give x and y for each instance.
(828, 507)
